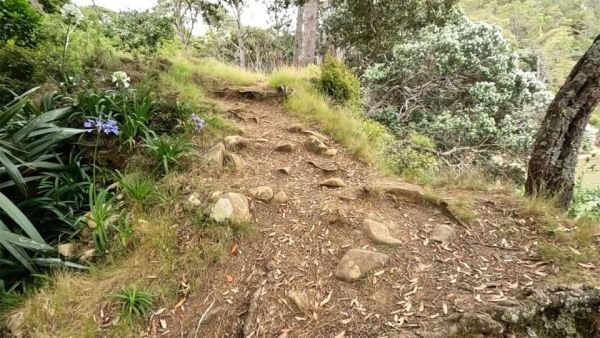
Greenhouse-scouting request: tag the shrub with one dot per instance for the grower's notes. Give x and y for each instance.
(19, 22)
(460, 85)
(338, 82)
(585, 203)
(167, 150)
(17, 70)
(407, 157)
(137, 187)
(144, 31)
(30, 139)
(134, 302)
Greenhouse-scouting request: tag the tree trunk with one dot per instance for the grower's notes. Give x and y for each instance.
(552, 165)
(240, 34)
(36, 5)
(298, 36)
(309, 39)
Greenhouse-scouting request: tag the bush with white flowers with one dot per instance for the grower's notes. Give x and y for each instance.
(71, 14)
(461, 85)
(121, 79)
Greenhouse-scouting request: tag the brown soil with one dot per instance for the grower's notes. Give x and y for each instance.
(294, 255)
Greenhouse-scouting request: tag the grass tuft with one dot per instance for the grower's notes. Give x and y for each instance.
(344, 125)
(211, 70)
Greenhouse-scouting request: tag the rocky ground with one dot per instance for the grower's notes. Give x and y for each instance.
(342, 251)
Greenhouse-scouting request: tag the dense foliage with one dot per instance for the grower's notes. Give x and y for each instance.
(552, 40)
(369, 29)
(460, 85)
(19, 22)
(141, 31)
(338, 82)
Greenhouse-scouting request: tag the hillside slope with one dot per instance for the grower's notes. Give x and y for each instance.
(292, 278)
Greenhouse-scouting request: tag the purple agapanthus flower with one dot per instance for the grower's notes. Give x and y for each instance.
(108, 126)
(198, 122)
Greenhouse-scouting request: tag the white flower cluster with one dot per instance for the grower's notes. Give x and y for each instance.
(121, 79)
(71, 14)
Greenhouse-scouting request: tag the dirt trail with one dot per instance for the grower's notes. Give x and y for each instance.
(293, 259)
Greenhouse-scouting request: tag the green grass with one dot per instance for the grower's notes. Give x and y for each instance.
(344, 125)
(210, 69)
(134, 302)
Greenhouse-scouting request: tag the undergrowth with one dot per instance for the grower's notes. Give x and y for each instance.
(343, 124)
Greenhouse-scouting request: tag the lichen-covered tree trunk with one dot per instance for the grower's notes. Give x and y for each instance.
(553, 160)
(298, 37)
(310, 34)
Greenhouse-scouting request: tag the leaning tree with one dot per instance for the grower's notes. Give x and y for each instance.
(553, 160)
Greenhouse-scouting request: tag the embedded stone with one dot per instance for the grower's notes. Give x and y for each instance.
(331, 152)
(66, 250)
(280, 198)
(335, 182)
(321, 137)
(285, 147)
(231, 207)
(262, 193)
(356, 263)
(407, 191)
(379, 233)
(295, 128)
(216, 155)
(442, 233)
(235, 142)
(235, 161)
(313, 144)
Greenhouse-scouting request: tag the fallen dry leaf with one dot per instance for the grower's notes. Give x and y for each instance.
(326, 300)
(179, 303)
(587, 265)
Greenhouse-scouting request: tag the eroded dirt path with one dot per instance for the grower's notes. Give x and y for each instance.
(292, 259)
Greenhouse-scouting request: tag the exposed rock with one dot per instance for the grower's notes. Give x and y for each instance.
(481, 323)
(193, 201)
(215, 195)
(235, 142)
(407, 191)
(301, 299)
(296, 128)
(66, 250)
(262, 193)
(87, 255)
(313, 144)
(235, 161)
(328, 168)
(335, 182)
(379, 233)
(280, 198)
(331, 152)
(321, 137)
(285, 170)
(442, 233)
(90, 221)
(356, 263)
(285, 147)
(231, 207)
(216, 155)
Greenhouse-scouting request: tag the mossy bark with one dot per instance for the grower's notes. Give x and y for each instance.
(552, 165)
